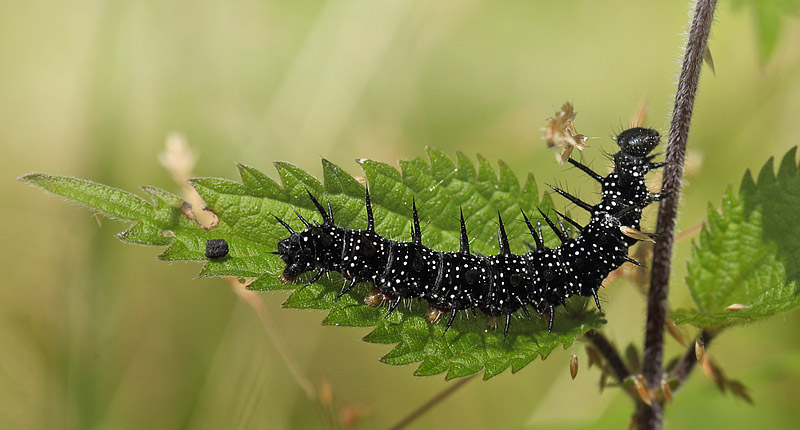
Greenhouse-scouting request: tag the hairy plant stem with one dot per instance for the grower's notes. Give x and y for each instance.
(651, 417)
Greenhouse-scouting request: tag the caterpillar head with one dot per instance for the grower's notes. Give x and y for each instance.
(297, 251)
(635, 144)
(638, 141)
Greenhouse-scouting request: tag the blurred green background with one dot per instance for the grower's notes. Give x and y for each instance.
(96, 334)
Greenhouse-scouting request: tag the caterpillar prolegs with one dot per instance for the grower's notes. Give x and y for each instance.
(498, 285)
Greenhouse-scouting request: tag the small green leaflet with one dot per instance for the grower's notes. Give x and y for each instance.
(749, 254)
(769, 16)
(440, 186)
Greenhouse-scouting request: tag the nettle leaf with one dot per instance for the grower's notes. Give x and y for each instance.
(749, 252)
(769, 16)
(440, 187)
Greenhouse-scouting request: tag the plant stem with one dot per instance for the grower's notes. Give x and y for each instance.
(444, 394)
(689, 360)
(650, 417)
(609, 352)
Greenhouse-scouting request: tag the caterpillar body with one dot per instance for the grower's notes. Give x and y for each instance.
(498, 285)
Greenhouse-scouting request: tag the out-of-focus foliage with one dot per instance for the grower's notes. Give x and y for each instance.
(769, 16)
(745, 264)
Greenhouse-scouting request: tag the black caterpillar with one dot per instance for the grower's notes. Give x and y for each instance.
(498, 285)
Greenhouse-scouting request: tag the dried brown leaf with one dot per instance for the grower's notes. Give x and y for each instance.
(739, 390)
(715, 373)
(642, 389)
(666, 390)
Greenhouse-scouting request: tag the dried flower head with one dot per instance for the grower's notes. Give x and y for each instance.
(561, 132)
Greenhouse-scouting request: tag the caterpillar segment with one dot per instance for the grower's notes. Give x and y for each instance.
(497, 285)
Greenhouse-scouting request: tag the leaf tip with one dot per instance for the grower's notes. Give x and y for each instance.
(35, 178)
(241, 167)
(767, 174)
(29, 177)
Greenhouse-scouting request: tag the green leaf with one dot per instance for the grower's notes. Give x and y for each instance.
(748, 252)
(440, 187)
(769, 16)
(100, 198)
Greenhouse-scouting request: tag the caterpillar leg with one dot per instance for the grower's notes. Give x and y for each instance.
(524, 307)
(433, 314)
(314, 279)
(472, 306)
(375, 297)
(394, 306)
(450, 321)
(348, 285)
